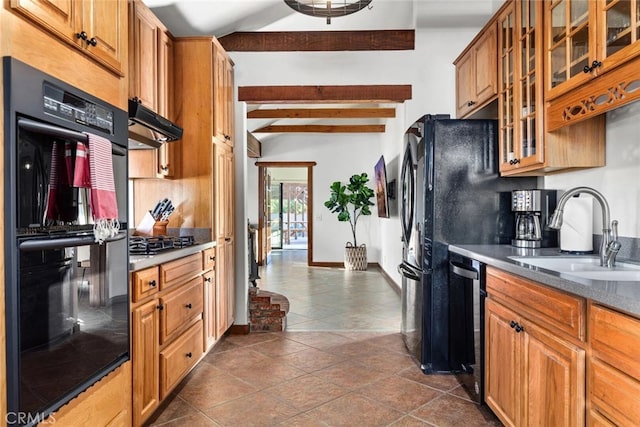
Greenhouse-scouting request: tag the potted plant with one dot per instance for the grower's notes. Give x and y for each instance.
(350, 201)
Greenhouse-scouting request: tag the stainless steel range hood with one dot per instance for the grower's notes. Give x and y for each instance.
(149, 130)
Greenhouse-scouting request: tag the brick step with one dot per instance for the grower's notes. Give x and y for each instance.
(267, 311)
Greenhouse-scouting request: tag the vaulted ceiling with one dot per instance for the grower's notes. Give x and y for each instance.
(270, 25)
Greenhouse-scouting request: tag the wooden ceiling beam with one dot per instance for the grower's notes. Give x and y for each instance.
(324, 94)
(321, 113)
(321, 129)
(316, 41)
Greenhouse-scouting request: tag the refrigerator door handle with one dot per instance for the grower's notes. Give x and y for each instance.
(410, 271)
(464, 271)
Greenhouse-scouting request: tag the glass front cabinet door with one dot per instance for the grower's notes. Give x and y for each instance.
(521, 91)
(586, 38)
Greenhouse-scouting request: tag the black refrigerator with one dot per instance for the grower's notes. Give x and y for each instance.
(451, 194)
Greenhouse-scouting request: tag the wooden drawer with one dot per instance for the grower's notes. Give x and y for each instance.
(180, 307)
(614, 394)
(596, 419)
(179, 271)
(615, 338)
(144, 283)
(179, 357)
(544, 305)
(209, 258)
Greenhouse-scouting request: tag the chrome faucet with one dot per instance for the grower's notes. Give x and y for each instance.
(610, 245)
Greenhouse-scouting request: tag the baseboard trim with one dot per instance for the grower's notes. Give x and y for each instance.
(239, 330)
(389, 280)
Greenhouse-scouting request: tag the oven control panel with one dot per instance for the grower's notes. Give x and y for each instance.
(67, 106)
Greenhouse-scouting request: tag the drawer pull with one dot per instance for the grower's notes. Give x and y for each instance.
(188, 305)
(152, 283)
(189, 355)
(212, 258)
(207, 279)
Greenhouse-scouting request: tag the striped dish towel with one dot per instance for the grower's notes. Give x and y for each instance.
(94, 170)
(60, 194)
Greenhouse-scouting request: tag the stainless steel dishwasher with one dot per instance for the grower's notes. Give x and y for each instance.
(466, 317)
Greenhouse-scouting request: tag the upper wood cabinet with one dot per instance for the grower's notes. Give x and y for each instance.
(222, 95)
(588, 38)
(97, 27)
(592, 59)
(151, 82)
(524, 146)
(476, 73)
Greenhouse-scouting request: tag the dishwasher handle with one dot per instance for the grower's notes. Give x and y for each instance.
(464, 271)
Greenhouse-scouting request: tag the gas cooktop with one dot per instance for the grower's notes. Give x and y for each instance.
(152, 245)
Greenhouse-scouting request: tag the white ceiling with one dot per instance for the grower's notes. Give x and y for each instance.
(222, 17)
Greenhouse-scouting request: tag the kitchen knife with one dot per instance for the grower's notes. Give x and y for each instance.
(155, 213)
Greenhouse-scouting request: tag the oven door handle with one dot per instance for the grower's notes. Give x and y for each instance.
(65, 242)
(43, 128)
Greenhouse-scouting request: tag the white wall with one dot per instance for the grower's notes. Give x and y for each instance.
(430, 71)
(619, 180)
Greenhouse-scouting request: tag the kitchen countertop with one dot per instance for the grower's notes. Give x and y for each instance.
(621, 295)
(140, 262)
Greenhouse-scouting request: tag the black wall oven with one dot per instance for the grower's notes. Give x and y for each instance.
(67, 302)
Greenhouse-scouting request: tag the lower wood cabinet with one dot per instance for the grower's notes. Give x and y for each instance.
(614, 368)
(144, 351)
(179, 357)
(106, 403)
(535, 374)
(167, 330)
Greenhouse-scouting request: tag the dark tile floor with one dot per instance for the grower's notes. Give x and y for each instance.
(341, 362)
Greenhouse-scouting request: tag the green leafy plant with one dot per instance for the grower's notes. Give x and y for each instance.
(350, 201)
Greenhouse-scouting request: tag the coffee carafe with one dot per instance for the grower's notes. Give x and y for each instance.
(532, 209)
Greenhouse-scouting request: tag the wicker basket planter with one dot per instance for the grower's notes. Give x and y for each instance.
(355, 257)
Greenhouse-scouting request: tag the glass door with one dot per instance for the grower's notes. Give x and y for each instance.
(275, 214)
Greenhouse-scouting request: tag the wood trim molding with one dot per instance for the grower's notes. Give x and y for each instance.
(321, 129)
(261, 195)
(239, 330)
(321, 113)
(316, 41)
(324, 94)
(286, 164)
(254, 146)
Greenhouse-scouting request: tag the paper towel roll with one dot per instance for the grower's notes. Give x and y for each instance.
(576, 233)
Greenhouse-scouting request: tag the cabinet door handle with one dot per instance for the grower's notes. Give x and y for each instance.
(519, 328)
(212, 258)
(514, 161)
(152, 283)
(207, 279)
(160, 307)
(513, 324)
(82, 35)
(595, 64)
(164, 168)
(188, 305)
(227, 239)
(189, 355)
(92, 41)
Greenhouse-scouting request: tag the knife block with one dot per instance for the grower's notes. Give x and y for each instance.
(160, 228)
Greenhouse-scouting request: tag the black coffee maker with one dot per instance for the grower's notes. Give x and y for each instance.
(532, 209)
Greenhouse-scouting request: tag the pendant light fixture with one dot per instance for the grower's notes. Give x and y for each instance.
(326, 8)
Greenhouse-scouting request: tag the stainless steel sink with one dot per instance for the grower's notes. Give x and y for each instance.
(583, 266)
